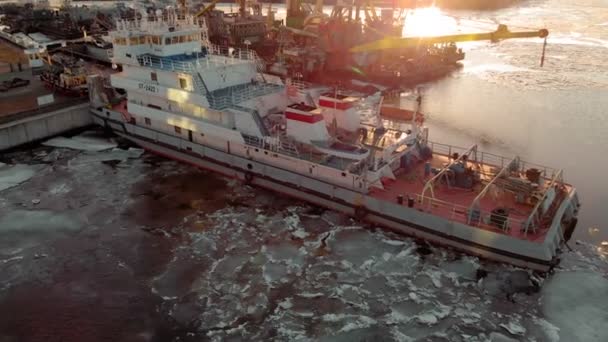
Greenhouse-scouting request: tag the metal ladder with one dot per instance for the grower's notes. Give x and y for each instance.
(256, 117)
(199, 84)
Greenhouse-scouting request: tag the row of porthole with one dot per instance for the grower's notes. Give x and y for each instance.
(266, 152)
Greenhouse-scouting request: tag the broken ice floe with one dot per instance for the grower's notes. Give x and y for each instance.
(115, 154)
(13, 175)
(83, 143)
(514, 328)
(550, 331)
(15, 258)
(352, 321)
(22, 229)
(433, 316)
(498, 337)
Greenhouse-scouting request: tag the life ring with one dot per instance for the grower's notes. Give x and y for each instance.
(248, 177)
(360, 213)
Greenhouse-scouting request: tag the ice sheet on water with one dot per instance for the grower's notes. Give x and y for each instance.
(550, 331)
(514, 328)
(13, 175)
(116, 154)
(15, 258)
(352, 321)
(435, 276)
(285, 252)
(464, 269)
(83, 143)
(498, 337)
(435, 315)
(31, 221)
(400, 336)
(427, 318)
(275, 273)
(22, 229)
(357, 247)
(577, 304)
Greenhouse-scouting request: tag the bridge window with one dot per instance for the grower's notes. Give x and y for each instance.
(178, 130)
(168, 41)
(148, 121)
(183, 83)
(120, 41)
(134, 41)
(154, 76)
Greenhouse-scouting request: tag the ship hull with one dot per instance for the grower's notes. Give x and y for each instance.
(541, 257)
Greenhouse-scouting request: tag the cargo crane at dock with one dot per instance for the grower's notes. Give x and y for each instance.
(247, 28)
(342, 46)
(383, 60)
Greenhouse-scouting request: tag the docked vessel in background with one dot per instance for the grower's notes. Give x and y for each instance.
(65, 75)
(41, 30)
(346, 45)
(224, 113)
(248, 28)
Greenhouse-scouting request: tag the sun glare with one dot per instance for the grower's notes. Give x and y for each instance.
(428, 21)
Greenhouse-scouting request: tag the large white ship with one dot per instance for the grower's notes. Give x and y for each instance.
(188, 101)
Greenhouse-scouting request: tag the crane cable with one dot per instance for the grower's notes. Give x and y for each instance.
(542, 56)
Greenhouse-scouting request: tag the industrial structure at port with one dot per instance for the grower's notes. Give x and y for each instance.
(358, 40)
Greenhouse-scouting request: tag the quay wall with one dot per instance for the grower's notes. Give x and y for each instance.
(28, 127)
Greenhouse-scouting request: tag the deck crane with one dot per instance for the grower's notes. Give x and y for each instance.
(207, 8)
(501, 33)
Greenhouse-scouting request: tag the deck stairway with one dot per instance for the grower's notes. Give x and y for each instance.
(199, 84)
(256, 117)
(228, 97)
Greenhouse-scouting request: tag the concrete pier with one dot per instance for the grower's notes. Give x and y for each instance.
(43, 123)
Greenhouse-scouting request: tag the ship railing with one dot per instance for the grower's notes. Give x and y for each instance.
(166, 64)
(298, 84)
(536, 215)
(237, 96)
(244, 54)
(491, 159)
(274, 144)
(467, 216)
(154, 23)
(190, 66)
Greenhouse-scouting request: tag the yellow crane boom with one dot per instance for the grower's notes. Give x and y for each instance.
(207, 8)
(502, 32)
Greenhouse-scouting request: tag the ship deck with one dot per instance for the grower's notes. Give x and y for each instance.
(452, 202)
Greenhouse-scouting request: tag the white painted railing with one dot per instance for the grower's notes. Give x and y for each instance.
(491, 159)
(463, 214)
(178, 22)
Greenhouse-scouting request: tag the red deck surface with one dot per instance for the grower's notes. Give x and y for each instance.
(458, 200)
